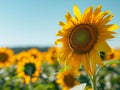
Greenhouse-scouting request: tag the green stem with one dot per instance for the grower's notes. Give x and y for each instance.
(94, 82)
(93, 78)
(30, 84)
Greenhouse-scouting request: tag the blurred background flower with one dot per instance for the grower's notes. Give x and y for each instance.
(6, 57)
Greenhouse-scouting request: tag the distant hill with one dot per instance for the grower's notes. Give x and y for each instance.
(19, 49)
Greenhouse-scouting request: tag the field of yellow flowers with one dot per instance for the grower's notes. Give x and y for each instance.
(33, 69)
(83, 61)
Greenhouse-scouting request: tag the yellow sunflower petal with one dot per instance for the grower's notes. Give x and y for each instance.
(68, 17)
(69, 60)
(60, 33)
(105, 36)
(98, 58)
(87, 16)
(86, 63)
(100, 16)
(113, 27)
(93, 61)
(102, 46)
(108, 27)
(97, 10)
(63, 57)
(75, 59)
(107, 19)
(88, 11)
(61, 23)
(76, 12)
(58, 41)
(78, 61)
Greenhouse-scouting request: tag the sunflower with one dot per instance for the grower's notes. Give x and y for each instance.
(6, 57)
(29, 70)
(67, 79)
(84, 36)
(20, 56)
(51, 55)
(35, 53)
(113, 55)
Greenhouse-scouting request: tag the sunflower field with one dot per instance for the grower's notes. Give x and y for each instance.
(81, 58)
(33, 69)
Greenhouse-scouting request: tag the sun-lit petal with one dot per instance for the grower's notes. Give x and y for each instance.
(76, 12)
(97, 10)
(113, 27)
(102, 46)
(86, 63)
(93, 61)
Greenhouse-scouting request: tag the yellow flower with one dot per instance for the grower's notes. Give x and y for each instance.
(84, 36)
(67, 79)
(113, 55)
(20, 56)
(6, 57)
(51, 55)
(29, 69)
(44, 54)
(35, 53)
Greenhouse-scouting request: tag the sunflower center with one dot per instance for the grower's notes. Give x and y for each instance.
(29, 69)
(3, 57)
(112, 56)
(82, 38)
(69, 80)
(52, 58)
(34, 55)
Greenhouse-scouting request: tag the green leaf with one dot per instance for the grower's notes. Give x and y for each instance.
(111, 62)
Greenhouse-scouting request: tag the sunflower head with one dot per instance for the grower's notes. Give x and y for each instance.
(51, 55)
(29, 68)
(34, 52)
(6, 57)
(84, 36)
(113, 55)
(67, 79)
(20, 56)
(3, 57)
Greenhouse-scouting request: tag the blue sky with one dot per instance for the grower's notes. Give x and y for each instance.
(35, 22)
